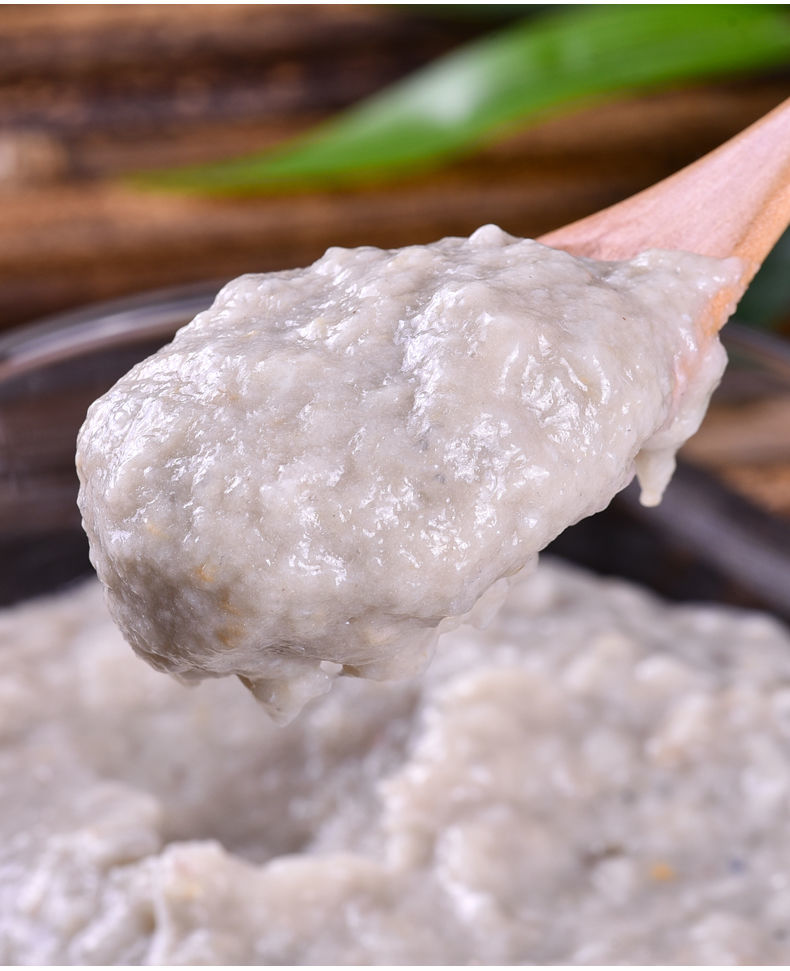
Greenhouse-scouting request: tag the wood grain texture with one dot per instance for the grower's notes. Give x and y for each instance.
(91, 94)
(733, 202)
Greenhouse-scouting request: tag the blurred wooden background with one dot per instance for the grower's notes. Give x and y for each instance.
(89, 94)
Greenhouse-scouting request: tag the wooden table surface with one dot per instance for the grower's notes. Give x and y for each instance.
(91, 94)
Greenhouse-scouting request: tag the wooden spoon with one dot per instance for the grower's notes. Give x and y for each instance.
(734, 201)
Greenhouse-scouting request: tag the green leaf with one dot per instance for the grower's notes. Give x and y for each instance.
(526, 71)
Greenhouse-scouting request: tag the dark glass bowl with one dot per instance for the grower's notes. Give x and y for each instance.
(704, 542)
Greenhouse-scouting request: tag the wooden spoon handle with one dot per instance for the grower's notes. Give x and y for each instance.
(734, 201)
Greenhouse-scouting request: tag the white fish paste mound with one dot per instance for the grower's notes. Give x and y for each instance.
(332, 464)
(596, 778)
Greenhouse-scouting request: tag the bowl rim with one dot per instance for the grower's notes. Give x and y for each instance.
(65, 335)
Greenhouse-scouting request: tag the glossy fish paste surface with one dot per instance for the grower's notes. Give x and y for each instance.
(331, 465)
